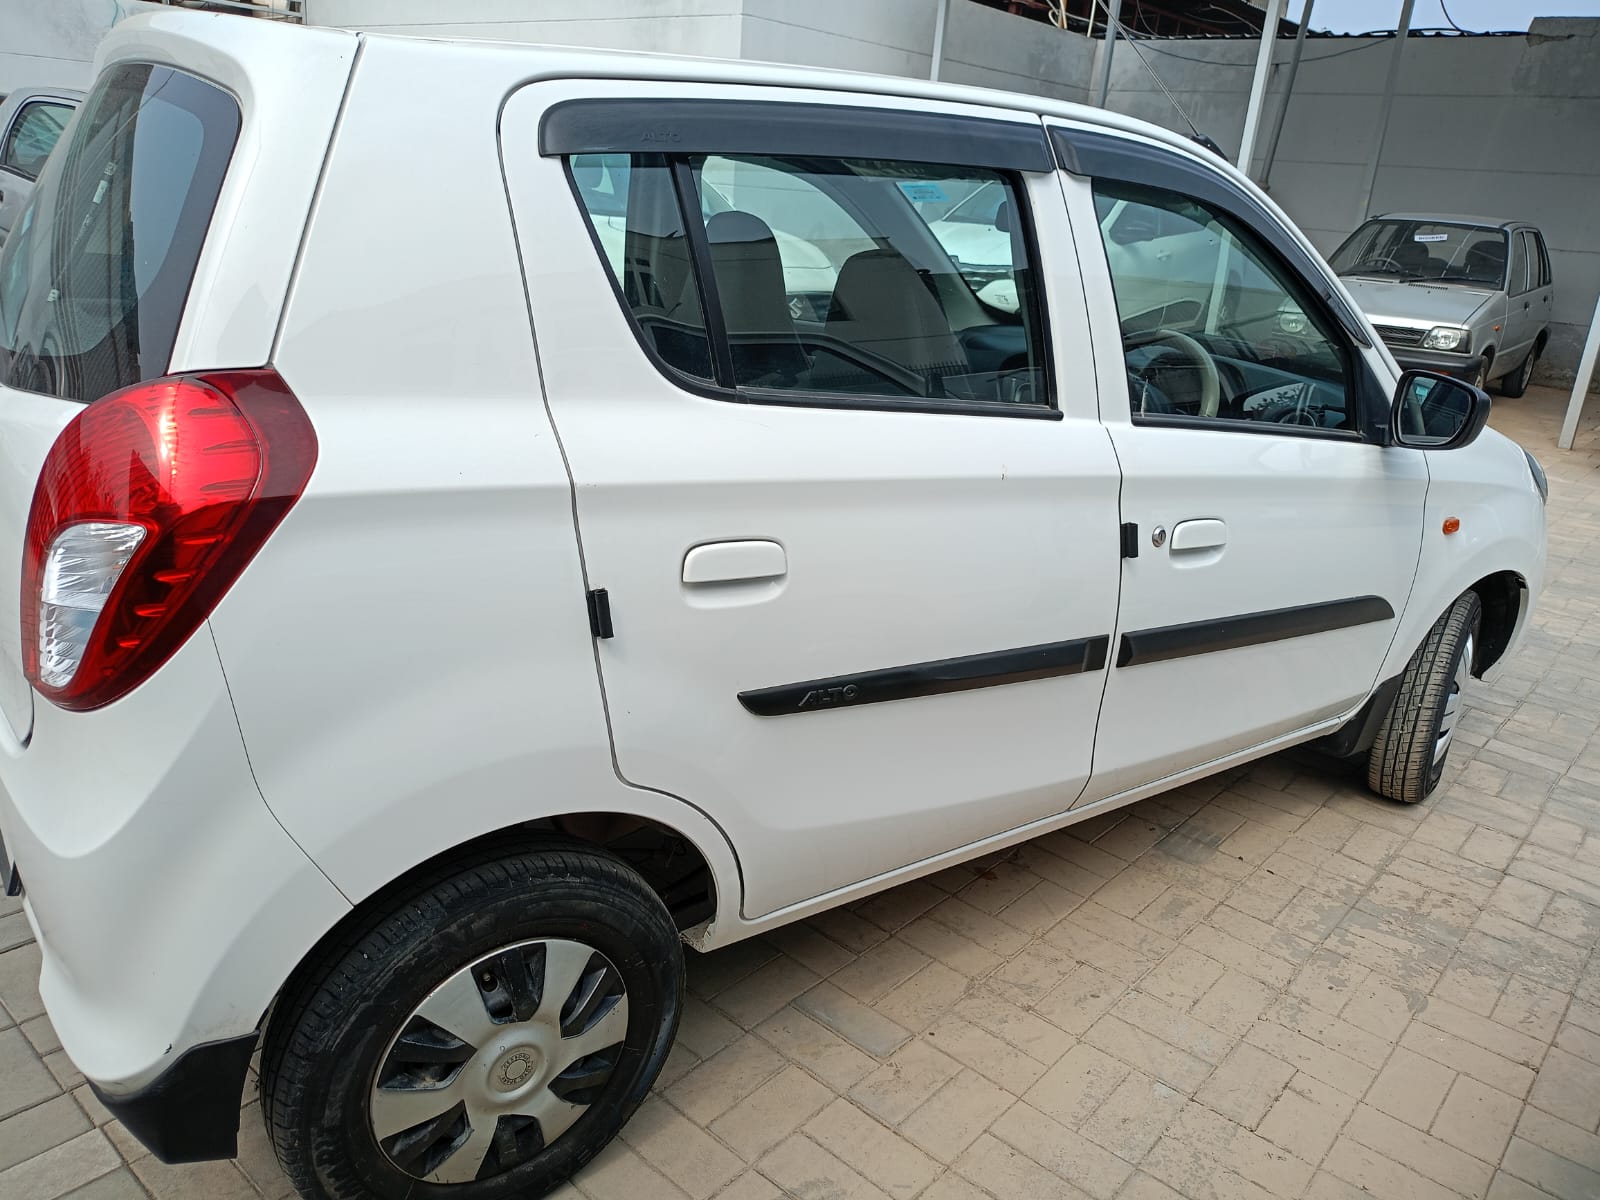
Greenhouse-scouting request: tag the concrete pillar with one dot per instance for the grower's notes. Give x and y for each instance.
(1388, 105)
(1258, 86)
(938, 37)
(1580, 385)
(1103, 84)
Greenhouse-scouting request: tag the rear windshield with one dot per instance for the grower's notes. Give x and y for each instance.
(94, 277)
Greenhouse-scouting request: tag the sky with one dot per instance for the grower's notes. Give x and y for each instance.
(1360, 16)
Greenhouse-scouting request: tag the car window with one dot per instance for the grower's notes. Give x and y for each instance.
(1530, 255)
(829, 280)
(1435, 251)
(1214, 328)
(633, 211)
(94, 279)
(1544, 260)
(982, 207)
(33, 135)
(1517, 267)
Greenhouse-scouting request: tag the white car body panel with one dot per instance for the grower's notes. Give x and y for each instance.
(407, 664)
(958, 510)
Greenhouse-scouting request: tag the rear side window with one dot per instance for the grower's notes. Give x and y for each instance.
(33, 135)
(94, 278)
(825, 280)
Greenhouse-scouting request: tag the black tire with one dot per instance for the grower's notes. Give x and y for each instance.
(1407, 758)
(341, 1022)
(1516, 383)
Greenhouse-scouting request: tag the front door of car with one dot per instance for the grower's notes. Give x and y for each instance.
(856, 528)
(1275, 546)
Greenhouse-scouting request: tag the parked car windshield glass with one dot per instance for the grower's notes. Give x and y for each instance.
(94, 279)
(1432, 251)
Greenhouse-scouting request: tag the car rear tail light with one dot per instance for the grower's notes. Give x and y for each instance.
(150, 504)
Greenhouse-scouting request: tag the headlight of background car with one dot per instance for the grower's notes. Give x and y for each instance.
(1445, 338)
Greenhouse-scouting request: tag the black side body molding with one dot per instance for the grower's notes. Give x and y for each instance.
(676, 126)
(930, 678)
(1357, 734)
(1248, 629)
(190, 1112)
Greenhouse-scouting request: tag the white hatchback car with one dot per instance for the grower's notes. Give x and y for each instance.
(421, 638)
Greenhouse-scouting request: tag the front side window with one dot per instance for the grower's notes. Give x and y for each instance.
(811, 279)
(1214, 328)
(94, 278)
(1432, 251)
(33, 135)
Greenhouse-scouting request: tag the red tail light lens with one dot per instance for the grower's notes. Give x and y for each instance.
(150, 504)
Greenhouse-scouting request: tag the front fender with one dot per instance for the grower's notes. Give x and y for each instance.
(1489, 490)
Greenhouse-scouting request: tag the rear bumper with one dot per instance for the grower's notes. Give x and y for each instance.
(1459, 366)
(190, 1112)
(168, 904)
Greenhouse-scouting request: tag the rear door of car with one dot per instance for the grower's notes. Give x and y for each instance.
(1538, 301)
(860, 561)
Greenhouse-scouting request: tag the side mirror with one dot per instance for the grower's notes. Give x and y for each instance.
(1436, 412)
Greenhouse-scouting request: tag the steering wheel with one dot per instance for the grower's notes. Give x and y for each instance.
(1210, 384)
(1383, 261)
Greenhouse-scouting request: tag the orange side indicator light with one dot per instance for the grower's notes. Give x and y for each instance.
(1451, 524)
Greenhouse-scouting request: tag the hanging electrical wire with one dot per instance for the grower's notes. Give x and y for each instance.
(1446, 11)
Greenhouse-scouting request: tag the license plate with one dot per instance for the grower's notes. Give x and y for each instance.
(9, 875)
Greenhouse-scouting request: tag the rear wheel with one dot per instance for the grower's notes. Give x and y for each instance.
(1408, 756)
(479, 1039)
(1517, 382)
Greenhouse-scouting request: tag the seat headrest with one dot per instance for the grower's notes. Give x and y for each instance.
(727, 228)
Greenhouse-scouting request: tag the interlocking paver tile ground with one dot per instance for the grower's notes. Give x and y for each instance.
(1266, 984)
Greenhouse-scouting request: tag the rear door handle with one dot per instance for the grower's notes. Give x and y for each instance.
(1205, 533)
(735, 562)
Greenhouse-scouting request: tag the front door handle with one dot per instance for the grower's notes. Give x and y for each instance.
(735, 562)
(1205, 533)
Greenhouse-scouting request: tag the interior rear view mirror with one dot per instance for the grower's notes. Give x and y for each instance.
(1436, 412)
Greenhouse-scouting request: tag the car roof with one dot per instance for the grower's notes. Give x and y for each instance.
(529, 61)
(18, 95)
(1452, 219)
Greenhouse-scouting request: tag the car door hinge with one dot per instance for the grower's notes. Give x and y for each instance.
(600, 614)
(1130, 540)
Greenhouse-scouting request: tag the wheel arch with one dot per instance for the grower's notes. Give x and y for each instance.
(671, 862)
(1503, 595)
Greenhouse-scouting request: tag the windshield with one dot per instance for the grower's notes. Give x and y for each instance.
(1433, 251)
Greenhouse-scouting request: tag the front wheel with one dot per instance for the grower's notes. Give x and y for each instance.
(481, 1038)
(1408, 756)
(1516, 383)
